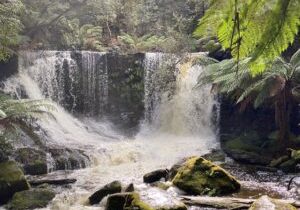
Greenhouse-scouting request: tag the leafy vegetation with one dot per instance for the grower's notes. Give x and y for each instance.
(259, 30)
(15, 111)
(278, 85)
(10, 25)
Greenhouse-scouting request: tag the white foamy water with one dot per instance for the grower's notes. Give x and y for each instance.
(179, 122)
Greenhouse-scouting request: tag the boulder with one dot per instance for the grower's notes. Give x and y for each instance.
(111, 188)
(31, 199)
(174, 169)
(129, 188)
(249, 157)
(266, 203)
(199, 176)
(33, 161)
(38, 182)
(122, 201)
(12, 180)
(215, 156)
(155, 176)
(68, 159)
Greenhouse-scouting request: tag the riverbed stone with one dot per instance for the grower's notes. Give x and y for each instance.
(111, 188)
(33, 161)
(12, 180)
(68, 159)
(267, 203)
(120, 201)
(132, 201)
(199, 176)
(31, 199)
(129, 188)
(155, 176)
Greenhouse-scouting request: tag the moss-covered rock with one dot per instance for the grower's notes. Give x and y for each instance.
(128, 201)
(12, 180)
(33, 161)
(31, 199)
(201, 177)
(266, 203)
(111, 188)
(249, 147)
(287, 163)
(132, 201)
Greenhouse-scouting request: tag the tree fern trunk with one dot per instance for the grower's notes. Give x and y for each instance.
(282, 112)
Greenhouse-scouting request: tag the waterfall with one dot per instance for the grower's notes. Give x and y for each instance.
(172, 103)
(178, 119)
(78, 81)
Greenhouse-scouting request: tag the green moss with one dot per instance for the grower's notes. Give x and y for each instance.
(31, 199)
(201, 177)
(137, 203)
(11, 180)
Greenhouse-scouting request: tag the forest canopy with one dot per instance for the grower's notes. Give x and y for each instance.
(123, 25)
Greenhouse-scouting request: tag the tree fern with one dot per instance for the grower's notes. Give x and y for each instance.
(279, 85)
(12, 111)
(260, 29)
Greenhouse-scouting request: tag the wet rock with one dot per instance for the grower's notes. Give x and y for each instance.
(33, 161)
(155, 176)
(121, 201)
(201, 177)
(31, 199)
(162, 185)
(12, 180)
(250, 148)
(215, 156)
(68, 159)
(5, 149)
(129, 188)
(288, 163)
(52, 182)
(278, 161)
(174, 169)
(249, 157)
(266, 203)
(112, 188)
(288, 166)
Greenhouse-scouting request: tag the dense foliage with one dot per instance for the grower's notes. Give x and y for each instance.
(278, 85)
(10, 26)
(261, 30)
(123, 25)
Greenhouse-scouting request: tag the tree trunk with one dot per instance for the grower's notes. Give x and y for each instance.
(282, 112)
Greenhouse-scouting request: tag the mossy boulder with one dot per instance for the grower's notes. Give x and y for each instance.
(199, 176)
(12, 180)
(33, 161)
(266, 203)
(250, 147)
(122, 201)
(111, 188)
(31, 199)
(132, 201)
(287, 163)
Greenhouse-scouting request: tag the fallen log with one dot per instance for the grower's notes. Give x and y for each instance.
(52, 181)
(226, 202)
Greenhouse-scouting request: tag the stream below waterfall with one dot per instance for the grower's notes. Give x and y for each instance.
(178, 121)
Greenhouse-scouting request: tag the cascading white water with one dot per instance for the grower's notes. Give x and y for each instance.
(179, 118)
